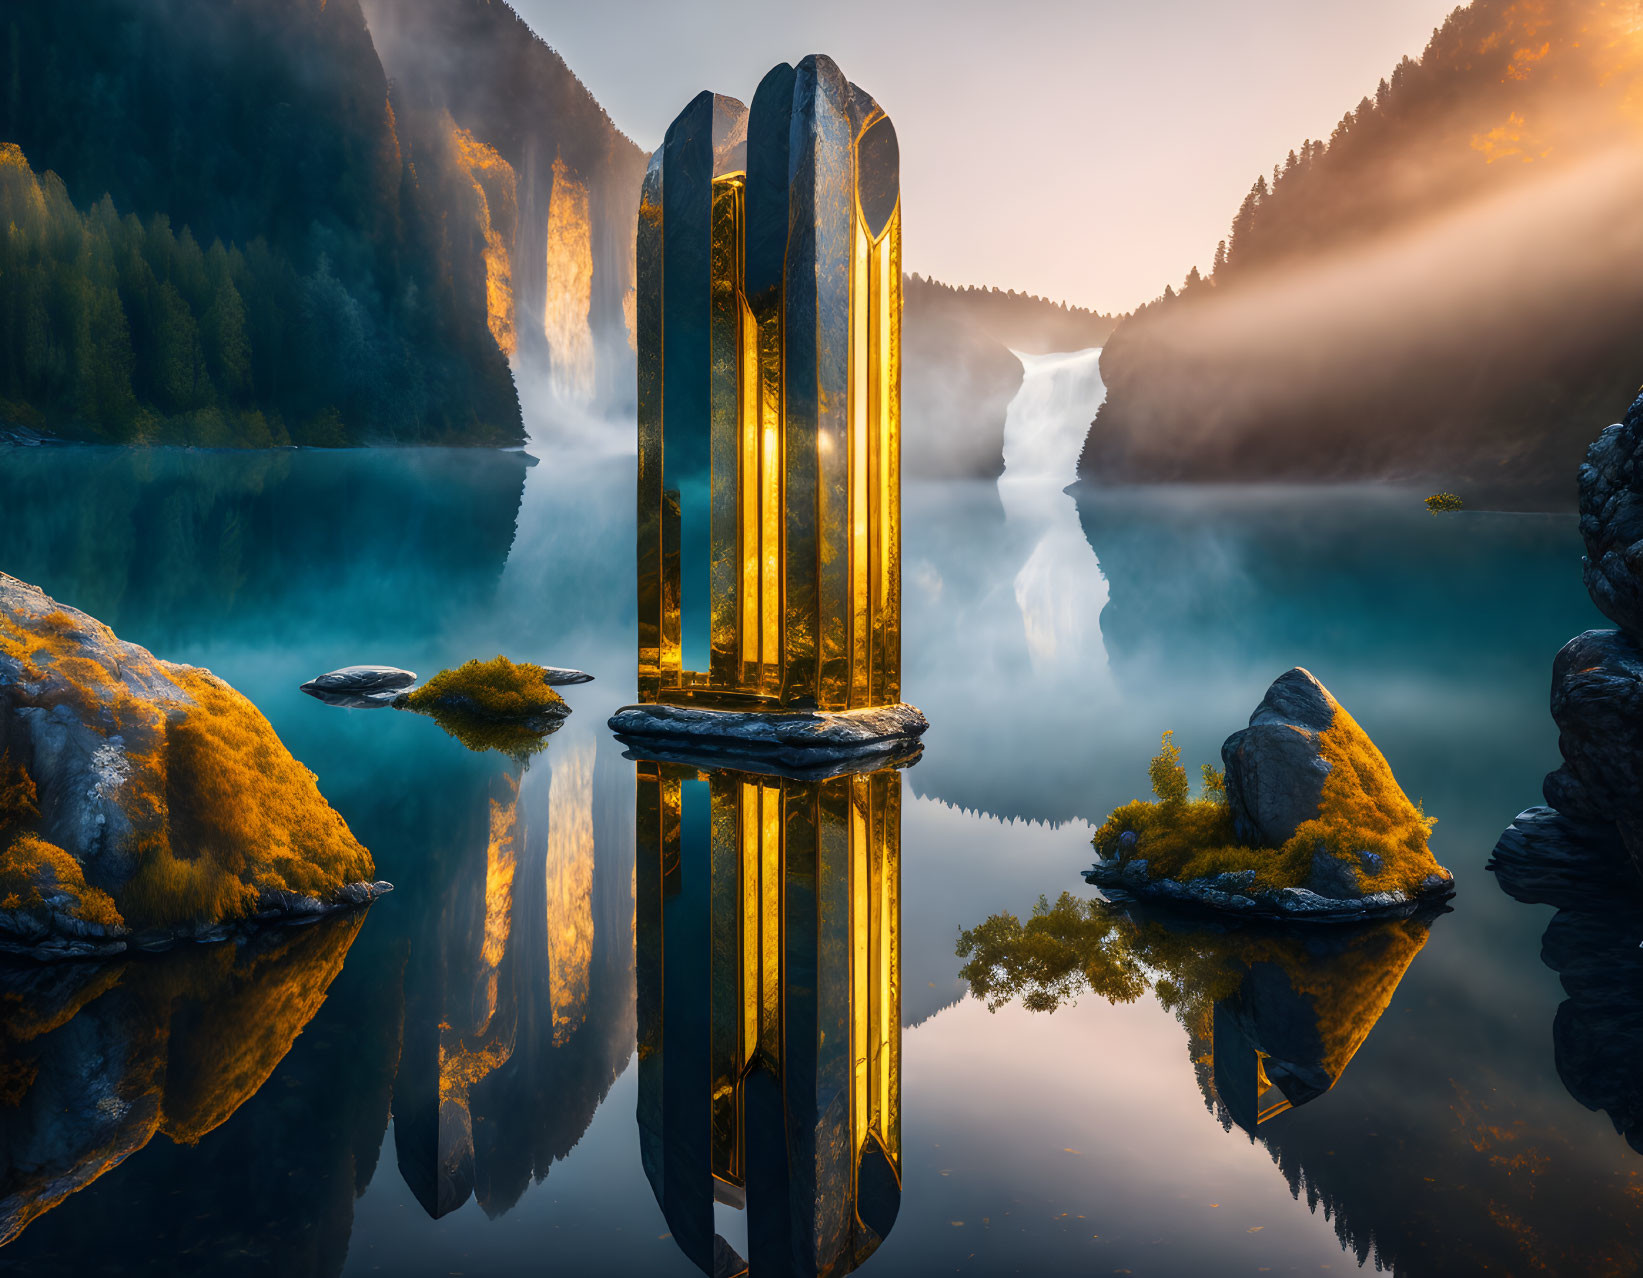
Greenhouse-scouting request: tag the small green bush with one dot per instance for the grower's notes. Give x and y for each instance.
(1438, 503)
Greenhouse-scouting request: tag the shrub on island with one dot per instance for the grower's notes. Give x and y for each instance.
(492, 705)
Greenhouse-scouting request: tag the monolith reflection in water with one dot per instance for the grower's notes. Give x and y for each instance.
(769, 977)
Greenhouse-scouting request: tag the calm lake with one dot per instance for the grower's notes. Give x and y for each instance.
(1050, 637)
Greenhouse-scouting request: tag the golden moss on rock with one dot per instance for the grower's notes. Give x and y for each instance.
(36, 875)
(1307, 819)
(144, 797)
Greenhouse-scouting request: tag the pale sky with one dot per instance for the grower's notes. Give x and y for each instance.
(1091, 152)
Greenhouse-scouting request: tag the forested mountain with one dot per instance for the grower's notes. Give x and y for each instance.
(559, 184)
(1449, 288)
(260, 256)
(958, 375)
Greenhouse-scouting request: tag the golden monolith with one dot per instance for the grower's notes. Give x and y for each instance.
(769, 333)
(768, 930)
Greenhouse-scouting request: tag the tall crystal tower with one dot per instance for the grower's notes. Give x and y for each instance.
(769, 331)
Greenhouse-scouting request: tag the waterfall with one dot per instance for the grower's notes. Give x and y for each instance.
(1059, 589)
(1045, 424)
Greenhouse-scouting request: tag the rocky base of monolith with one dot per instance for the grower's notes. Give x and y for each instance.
(792, 739)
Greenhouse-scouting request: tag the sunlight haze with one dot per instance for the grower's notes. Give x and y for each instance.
(1092, 153)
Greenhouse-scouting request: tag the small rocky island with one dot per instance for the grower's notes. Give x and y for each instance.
(143, 802)
(486, 705)
(1306, 822)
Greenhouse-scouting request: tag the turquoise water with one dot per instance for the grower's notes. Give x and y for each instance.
(1050, 638)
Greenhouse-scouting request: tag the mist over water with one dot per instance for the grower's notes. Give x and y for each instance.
(1050, 637)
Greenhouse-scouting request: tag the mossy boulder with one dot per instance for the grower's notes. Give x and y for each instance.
(1308, 822)
(142, 801)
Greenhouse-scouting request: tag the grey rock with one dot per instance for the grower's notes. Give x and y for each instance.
(1611, 521)
(558, 676)
(360, 687)
(1547, 857)
(361, 679)
(1597, 701)
(1274, 770)
(1332, 877)
(1237, 893)
(793, 738)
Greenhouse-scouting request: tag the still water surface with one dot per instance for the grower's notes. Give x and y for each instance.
(1050, 638)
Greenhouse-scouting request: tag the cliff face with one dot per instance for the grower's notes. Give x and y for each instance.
(561, 181)
(275, 259)
(1449, 289)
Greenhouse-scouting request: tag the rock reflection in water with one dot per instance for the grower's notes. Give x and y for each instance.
(1592, 943)
(95, 1058)
(1273, 1013)
(486, 1016)
(769, 956)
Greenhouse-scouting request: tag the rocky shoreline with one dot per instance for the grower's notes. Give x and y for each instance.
(1595, 798)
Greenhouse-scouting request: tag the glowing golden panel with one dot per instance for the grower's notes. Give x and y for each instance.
(768, 325)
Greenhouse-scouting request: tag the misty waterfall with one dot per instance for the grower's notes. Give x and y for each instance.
(1059, 589)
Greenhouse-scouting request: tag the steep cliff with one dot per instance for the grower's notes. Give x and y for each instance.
(561, 181)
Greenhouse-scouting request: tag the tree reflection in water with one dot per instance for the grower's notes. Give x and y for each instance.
(1273, 1013)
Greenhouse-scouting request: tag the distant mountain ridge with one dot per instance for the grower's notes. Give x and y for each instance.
(1449, 289)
